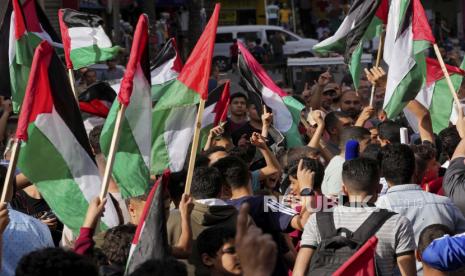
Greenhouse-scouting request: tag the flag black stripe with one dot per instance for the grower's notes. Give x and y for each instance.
(250, 83)
(5, 86)
(363, 12)
(167, 53)
(101, 90)
(215, 95)
(74, 18)
(45, 23)
(65, 103)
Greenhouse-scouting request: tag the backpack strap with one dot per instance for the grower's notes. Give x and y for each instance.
(371, 225)
(325, 223)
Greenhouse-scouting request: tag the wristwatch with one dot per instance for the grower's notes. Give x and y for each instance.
(307, 192)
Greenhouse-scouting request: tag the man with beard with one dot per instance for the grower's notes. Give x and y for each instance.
(350, 103)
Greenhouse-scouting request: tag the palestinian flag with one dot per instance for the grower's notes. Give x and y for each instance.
(216, 110)
(97, 99)
(131, 169)
(151, 238)
(28, 26)
(55, 154)
(165, 69)
(84, 40)
(363, 22)
(286, 110)
(174, 114)
(435, 95)
(362, 263)
(408, 35)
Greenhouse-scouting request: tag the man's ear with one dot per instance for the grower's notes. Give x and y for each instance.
(206, 260)
(344, 189)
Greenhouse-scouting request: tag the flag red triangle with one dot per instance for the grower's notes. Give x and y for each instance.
(20, 24)
(383, 10)
(32, 22)
(221, 107)
(434, 71)
(196, 71)
(420, 25)
(362, 263)
(139, 47)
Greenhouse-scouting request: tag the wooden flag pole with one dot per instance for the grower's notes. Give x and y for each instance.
(112, 152)
(195, 145)
(449, 82)
(378, 61)
(265, 131)
(71, 80)
(10, 173)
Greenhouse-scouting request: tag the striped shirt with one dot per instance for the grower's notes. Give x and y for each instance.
(395, 237)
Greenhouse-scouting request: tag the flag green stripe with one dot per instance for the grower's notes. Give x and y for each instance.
(53, 179)
(82, 57)
(408, 88)
(293, 137)
(177, 100)
(158, 90)
(128, 157)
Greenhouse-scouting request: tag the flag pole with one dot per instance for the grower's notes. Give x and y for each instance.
(10, 173)
(446, 74)
(378, 61)
(71, 80)
(195, 145)
(112, 152)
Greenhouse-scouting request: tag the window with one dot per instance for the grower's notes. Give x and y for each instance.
(224, 38)
(248, 36)
(287, 36)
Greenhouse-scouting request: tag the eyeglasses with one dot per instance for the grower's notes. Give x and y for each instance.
(230, 250)
(331, 93)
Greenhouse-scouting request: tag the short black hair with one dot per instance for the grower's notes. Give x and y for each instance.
(94, 139)
(177, 184)
(161, 267)
(361, 174)
(239, 95)
(206, 183)
(397, 163)
(212, 239)
(311, 164)
(332, 118)
(389, 130)
(89, 70)
(55, 261)
(234, 170)
(245, 153)
(353, 133)
(430, 233)
(201, 160)
(117, 243)
(449, 139)
(298, 153)
(423, 154)
(373, 151)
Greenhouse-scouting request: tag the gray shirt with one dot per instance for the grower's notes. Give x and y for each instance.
(395, 237)
(332, 180)
(454, 182)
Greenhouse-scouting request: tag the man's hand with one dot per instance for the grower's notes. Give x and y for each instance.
(324, 79)
(186, 205)
(257, 140)
(216, 131)
(365, 115)
(7, 107)
(376, 76)
(256, 251)
(94, 212)
(50, 222)
(267, 118)
(318, 117)
(4, 218)
(304, 176)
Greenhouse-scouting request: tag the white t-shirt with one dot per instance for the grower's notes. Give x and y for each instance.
(272, 11)
(332, 181)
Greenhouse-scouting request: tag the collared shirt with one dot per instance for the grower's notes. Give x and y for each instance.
(422, 208)
(395, 236)
(23, 235)
(212, 202)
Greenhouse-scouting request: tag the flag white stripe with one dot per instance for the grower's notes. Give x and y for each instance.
(341, 32)
(81, 166)
(424, 97)
(87, 36)
(282, 117)
(179, 128)
(12, 42)
(209, 115)
(139, 114)
(164, 73)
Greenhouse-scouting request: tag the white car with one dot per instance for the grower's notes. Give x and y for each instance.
(295, 45)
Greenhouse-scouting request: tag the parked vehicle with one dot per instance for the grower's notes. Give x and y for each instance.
(295, 45)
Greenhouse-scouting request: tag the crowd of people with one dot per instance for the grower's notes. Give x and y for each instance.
(258, 207)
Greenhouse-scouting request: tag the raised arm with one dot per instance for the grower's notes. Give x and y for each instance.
(182, 249)
(272, 164)
(323, 80)
(424, 120)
